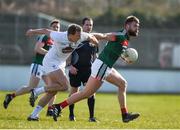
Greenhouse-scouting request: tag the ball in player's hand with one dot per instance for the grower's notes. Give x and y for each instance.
(130, 55)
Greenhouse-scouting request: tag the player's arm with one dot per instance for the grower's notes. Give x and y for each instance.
(39, 48)
(93, 40)
(72, 69)
(104, 36)
(45, 31)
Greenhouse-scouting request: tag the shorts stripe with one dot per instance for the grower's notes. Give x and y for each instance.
(35, 69)
(101, 71)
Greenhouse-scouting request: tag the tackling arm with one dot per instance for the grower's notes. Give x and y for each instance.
(45, 31)
(104, 36)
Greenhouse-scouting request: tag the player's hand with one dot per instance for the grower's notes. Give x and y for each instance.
(29, 32)
(111, 36)
(126, 60)
(73, 70)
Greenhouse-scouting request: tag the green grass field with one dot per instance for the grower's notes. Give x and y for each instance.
(157, 111)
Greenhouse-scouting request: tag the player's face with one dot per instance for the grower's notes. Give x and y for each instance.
(133, 28)
(88, 25)
(55, 27)
(75, 37)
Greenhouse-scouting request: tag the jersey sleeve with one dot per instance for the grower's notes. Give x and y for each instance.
(84, 36)
(56, 36)
(42, 38)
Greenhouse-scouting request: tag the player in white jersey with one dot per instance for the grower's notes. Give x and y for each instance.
(54, 62)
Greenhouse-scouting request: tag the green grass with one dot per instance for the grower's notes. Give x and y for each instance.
(157, 111)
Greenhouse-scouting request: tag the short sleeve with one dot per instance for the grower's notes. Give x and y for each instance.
(57, 36)
(84, 36)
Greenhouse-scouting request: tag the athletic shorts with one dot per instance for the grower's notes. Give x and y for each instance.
(37, 70)
(81, 77)
(100, 70)
(53, 65)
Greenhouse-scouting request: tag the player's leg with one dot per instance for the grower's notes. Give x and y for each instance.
(93, 84)
(91, 100)
(91, 87)
(49, 110)
(33, 82)
(117, 79)
(71, 107)
(91, 106)
(41, 104)
(75, 82)
(57, 80)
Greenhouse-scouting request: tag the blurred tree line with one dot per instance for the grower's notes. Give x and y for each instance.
(152, 13)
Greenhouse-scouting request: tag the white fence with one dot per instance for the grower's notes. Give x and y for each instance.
(140, 81)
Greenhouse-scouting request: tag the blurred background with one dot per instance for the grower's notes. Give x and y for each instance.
(158, 44)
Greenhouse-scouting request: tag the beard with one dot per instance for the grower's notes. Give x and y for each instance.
(132, 33)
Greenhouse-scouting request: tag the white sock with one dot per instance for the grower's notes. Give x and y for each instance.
(36, 111)
(38, 91)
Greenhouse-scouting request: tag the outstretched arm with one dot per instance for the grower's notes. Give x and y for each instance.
(45, 31)
(104, 36)
(93, 39)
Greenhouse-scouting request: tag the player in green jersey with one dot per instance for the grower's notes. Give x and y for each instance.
(102, 70)
(42, 46)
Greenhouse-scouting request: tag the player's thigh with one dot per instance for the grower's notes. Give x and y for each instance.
(33, 81)
(45, 79)
(59, 77)
(116, 78)
(92, 86)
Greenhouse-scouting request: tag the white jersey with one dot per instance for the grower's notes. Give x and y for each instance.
(61, 50)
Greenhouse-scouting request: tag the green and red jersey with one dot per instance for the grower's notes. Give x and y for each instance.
(38, 58)
(114, 48)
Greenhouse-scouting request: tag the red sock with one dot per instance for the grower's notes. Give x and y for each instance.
(124, 110)
(13, 95)
(50, 107)
(64, 104)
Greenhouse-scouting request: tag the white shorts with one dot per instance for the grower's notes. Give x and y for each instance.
(100, 70)
(53, 65)
(37, 70)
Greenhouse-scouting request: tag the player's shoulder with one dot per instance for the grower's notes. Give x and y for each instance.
(42, 38)
(121, 35)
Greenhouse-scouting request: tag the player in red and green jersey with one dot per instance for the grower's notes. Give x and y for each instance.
(102, 70)
(42, 46)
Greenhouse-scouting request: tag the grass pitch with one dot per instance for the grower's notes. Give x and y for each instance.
(157, 111)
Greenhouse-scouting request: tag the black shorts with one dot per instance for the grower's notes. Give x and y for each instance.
(81, 77)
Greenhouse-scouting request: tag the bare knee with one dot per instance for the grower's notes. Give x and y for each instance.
(123, 85)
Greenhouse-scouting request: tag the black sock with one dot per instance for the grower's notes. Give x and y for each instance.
(71, 110)
(91, 102)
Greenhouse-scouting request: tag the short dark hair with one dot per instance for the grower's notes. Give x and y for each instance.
(130, 19)
(73, 28)
(86, 18)
(54, 21)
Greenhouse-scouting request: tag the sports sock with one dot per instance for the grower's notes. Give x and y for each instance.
(63, 104)
(38, 91)
(36, 111)
(91, 102)
(71, 110)
(124, 110)
(50, 107)
(13, 95)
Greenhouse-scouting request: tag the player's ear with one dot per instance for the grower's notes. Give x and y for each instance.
(127, 26)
